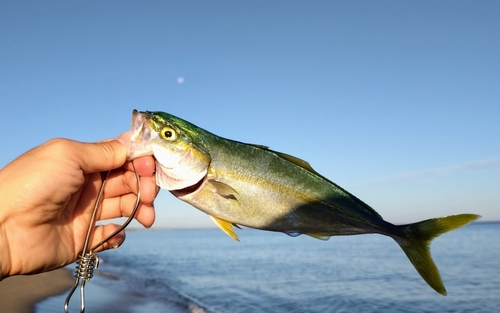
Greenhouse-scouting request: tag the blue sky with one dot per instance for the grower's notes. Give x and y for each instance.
(398, 102)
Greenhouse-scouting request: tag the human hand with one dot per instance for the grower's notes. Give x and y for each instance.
(47, 199)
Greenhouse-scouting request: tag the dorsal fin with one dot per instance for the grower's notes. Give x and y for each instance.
(226, 227)
(290, 158)
(297, 161)
(305, 165)
(259, 146)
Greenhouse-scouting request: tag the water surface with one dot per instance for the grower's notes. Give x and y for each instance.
(271, 272)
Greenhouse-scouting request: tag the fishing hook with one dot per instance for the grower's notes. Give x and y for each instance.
(88, 261)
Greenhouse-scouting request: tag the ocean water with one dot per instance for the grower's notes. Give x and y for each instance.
(206, 271)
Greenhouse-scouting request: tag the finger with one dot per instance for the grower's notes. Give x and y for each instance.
(124, 138)
(123, 207)
(101, 232)
(144, 165)
(149, 190)
(122, 182)
(146, 215)
(100, 156)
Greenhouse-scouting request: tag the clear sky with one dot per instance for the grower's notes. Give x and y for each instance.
(396, 101)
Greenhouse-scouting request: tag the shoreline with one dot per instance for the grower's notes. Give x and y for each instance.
(107, 293)
(47, 292)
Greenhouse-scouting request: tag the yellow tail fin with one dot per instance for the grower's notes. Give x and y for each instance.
(417, 240)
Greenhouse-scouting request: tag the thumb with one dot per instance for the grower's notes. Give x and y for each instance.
(101, 156)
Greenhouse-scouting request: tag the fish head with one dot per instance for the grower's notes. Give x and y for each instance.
(181, 159)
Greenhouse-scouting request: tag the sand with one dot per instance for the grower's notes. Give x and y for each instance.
(103, 293)
(19, 294)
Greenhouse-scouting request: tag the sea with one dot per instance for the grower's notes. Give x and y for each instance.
(205, 271)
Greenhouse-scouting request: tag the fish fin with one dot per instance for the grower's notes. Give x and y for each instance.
(417, 241)
(224, 190)
(259, 146)
(226, 227)
(290, 158)
(319, 236)
(297, 161)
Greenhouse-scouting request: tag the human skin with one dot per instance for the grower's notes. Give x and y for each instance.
(48, 195)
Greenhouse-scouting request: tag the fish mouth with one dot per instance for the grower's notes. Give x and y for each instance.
(179, 193)
(142, 134)
(140, 127)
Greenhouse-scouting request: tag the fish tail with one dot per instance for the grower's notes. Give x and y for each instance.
(416, 239)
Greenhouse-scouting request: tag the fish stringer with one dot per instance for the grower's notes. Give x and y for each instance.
(88, 260)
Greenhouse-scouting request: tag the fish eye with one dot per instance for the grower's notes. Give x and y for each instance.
(168, 133)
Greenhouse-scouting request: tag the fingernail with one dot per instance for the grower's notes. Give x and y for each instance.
(117, 245)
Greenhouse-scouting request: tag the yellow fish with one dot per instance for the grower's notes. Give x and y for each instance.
(250, 185)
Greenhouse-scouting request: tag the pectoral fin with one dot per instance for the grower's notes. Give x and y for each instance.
(224, 190)
(226, 227)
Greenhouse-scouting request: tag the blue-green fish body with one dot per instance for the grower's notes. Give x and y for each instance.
(250, 185)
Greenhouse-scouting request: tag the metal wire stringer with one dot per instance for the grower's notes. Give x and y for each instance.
(88, 261)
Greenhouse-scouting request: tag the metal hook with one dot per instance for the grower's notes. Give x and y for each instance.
(88, 261)
(84, 272)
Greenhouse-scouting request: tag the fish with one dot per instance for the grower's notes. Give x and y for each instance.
(239, 184)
